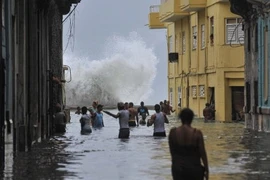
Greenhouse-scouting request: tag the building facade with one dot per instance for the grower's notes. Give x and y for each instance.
(205, 56)
(257, 83)
(31, 60)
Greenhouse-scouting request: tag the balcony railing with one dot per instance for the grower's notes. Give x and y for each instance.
(192, 5)
(170, 11)
(154, 9)
(163, 1)
(154, 22)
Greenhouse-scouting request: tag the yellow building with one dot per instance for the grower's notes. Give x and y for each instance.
(206, 55)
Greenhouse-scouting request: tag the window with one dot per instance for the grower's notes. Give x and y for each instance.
(194, 37)
(202, 91)
(171, 96)
(179, 96)
(234, 32)
(212, 30)
(183, 42)
(170, 44)
(203, 36)
(194, 91)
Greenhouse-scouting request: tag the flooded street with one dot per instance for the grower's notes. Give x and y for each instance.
(233, 153)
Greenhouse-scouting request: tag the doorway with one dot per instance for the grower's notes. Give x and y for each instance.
(237, 103)
(211, 98)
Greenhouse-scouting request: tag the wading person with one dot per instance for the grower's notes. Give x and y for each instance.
(60, 120)
(133, 115)
(78, 111)
(123, 116)
(93, 110)
(208, 113)
(85, 122)
(143, 111)
(158, 119)
(98, 117)
(187, 150)
(167, 108)
(126, 105)
(161, 106)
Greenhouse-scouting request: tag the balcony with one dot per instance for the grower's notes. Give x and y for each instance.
(153, 18)
(192, 5)
(170, 11)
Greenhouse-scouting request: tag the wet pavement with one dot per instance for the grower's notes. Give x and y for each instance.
(233, 153)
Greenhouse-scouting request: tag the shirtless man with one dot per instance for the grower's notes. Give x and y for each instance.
(167, 108)
(133, 114)
(170, 108)
(123, 116)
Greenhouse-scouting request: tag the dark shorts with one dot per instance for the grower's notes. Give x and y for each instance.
(196, 173)
(159, 134)
(86, 131)
(132, 123)
(143, 122)
(123, 133)
(60, 128)
(143, 116)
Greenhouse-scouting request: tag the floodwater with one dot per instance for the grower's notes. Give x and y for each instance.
(233, 153)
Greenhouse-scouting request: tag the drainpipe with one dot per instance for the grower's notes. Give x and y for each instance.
(206, 52)
(189, 59)
(2, 101)
(8, 64)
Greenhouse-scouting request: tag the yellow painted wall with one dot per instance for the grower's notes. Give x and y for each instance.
(217, 65)
(194, 50)
(201, 51)
(185, 55)
(171, 32)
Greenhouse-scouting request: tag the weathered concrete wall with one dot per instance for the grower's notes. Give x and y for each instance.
(37, 44)
(56, 54)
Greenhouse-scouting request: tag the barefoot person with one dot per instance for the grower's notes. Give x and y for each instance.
(123, 116)
(133, 114)
(158, 119)
(187, 150)
(143, 111)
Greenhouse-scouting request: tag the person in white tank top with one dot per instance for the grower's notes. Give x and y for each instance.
(123, 116)
(158, 119)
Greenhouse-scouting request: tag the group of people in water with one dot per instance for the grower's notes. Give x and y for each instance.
(128, 117)
(185, 142)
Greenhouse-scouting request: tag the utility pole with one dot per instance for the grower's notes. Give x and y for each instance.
(2, 99)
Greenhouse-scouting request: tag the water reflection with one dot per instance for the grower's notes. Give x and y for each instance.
(233, 153)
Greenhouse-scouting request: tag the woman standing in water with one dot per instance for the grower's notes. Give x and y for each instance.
(187, 149)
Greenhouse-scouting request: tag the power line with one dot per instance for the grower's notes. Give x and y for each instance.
(70, 13)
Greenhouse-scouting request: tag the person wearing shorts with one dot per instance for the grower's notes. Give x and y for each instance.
(123, 116)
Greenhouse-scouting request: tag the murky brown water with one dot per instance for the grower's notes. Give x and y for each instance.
(233, 153)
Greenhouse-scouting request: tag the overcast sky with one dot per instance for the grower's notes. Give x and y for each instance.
(97, 20)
